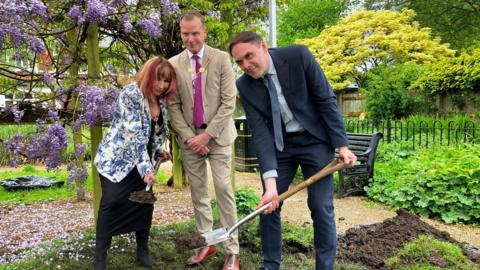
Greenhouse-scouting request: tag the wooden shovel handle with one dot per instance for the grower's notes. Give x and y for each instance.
(332, 167)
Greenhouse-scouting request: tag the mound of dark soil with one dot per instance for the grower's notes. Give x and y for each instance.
(371, 245)
(188, 242)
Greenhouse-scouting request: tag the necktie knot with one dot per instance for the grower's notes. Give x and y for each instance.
(198, 65)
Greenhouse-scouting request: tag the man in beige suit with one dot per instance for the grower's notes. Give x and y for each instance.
(201, 114)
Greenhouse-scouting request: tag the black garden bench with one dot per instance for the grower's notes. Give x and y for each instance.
(364, 146)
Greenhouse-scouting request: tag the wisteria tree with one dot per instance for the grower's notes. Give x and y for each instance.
(83, 51)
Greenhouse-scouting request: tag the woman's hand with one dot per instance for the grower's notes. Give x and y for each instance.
(150, 178)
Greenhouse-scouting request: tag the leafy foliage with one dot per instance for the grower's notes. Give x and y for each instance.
(455, 21)
(307, 18)
(441, 182)
(386, 94)
(247, 200)
(368, 39)
(458, 77)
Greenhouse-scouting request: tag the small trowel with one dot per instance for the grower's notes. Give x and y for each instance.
(147, 195)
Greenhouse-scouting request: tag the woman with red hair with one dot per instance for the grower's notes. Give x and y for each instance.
(126, 155)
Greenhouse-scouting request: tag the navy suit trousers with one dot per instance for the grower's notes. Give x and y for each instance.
(312, 155)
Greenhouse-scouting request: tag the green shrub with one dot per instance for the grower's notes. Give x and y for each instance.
(385, 92)
(458, 77)
(441, 182)
(246, 200)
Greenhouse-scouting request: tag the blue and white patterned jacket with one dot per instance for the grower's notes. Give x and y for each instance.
(125, 144)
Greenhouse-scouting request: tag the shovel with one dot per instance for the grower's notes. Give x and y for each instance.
(146, 196)
(222, 234)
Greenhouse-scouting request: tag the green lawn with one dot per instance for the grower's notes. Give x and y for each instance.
(40, 195)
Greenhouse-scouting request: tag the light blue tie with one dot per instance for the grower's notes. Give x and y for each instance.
(276, 117)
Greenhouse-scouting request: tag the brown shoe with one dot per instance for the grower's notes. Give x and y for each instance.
(202, 255)
(231, 263)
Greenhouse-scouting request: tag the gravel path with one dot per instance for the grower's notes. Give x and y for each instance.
(26, 226)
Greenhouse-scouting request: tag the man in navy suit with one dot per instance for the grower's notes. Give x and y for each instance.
(293, 114)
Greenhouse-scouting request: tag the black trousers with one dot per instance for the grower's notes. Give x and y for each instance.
(312, 155)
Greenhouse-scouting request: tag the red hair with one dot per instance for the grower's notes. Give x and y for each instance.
(154, 69)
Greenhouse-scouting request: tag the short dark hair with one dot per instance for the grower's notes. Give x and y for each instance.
(245, 37)
(192, 14)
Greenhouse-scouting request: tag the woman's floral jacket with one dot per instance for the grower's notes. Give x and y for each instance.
(125, 144)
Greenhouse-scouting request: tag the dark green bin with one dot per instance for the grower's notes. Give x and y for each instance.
(245, 154)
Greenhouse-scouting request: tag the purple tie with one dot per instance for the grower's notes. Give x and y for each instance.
(197, 100)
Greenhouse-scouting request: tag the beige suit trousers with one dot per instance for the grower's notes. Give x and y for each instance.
(196, 170)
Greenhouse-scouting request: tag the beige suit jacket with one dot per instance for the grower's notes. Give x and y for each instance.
(218, 93)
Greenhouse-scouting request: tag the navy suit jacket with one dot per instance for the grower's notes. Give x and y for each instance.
(308, 94)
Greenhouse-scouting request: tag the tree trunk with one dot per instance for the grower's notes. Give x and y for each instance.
(77, 134)
(93, 62)
(177, 164)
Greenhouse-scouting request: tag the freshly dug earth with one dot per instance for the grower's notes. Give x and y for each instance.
(188, 242)
(371, 245)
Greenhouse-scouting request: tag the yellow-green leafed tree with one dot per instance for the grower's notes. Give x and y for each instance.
(367, 39)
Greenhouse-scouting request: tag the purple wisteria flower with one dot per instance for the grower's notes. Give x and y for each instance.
(75, 13)
(48, 78)
(152, 25)
(48, 145)
(67, 59)
(17, 114)
(13, 7)
(58, 142)
(36, 45)
(169, 8)
(111, 70)
(15, 146)
(12, 30)
(53, 115)
(78, 173)
(77, 124)
(35, 25)
(251, 4)
(38, 8)
(97, 104)
(80, 149)
(127, 26)
(213, 13)
(96, 11)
